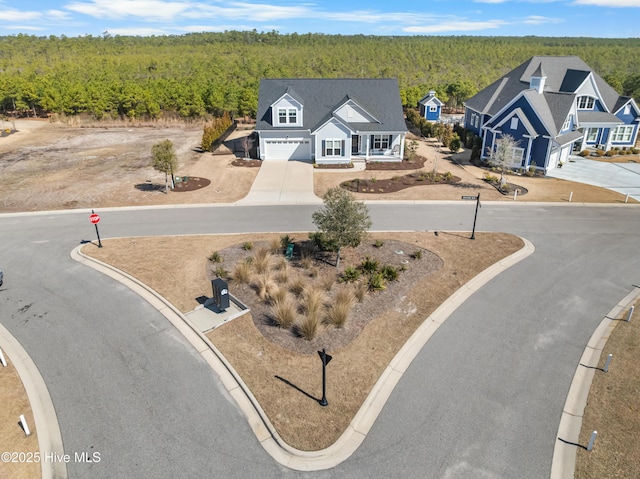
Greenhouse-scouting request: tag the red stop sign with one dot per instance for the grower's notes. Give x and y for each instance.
(94, 218)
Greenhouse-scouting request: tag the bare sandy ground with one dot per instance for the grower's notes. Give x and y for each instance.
(51, 166)
(48, 166)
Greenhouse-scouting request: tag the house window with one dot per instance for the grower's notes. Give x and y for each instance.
(623, 133)
(381, 142)
(473, 120)
(433, 108)
(514, 123)
(332, 148)
(282, 115)
(567, 124)
(518, 154)
(627, 109)
(476, 120)
(585, 102)
(592, 135)
(293, 115)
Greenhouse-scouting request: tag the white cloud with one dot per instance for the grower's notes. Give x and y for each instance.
(22, 28)
(609, 3)
(137, 31)
(12, 15)
(456, 26)
(116, 9)
(539, 20)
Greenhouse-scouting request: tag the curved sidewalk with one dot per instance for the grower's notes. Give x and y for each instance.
(564, 452)
(44, 414)
(363, 421)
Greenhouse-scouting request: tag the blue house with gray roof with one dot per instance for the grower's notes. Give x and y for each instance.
(551, 106)
(330, 121)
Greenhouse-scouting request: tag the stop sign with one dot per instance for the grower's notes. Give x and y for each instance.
(94, 218)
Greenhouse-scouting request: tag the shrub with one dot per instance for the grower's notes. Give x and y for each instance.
(635, 151)
(282, 276)
(285, 240)
(600, 152)
(283, 312)
(417, 254)
(378, 243)
(389, 273)
(455, 143)
(376, 282)
(278, 294)
(220, 272)
(350, 275)
(241, 273)
(585, 153)
(447, 176)
(308, 326)
(369, 265)
(488, 177)
(215, 257)
(610, 153)
(248, 246)
(338, 313)
(531, 171)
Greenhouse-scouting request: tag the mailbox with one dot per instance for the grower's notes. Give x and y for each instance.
(220, 293)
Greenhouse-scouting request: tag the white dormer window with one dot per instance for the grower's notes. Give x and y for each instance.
(585, 102)
(287, 116)
(627, 109)
(514, 123)
(567, 124)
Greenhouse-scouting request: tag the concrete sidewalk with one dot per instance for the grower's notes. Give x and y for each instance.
(282, 181)
(622, 178)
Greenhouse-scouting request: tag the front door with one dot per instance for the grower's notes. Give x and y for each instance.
(355, 144)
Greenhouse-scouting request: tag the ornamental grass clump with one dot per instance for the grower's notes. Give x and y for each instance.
(313, 300)
(350, 275)
(338, 312)
(262, 260)
(308, 326)
(389, 273)
(296, 285)
(264, 286)
(241, 273)
(360, 290)
(376, 282)
(283, 312)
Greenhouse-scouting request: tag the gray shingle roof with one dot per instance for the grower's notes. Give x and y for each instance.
(563, 73)
(321, 96)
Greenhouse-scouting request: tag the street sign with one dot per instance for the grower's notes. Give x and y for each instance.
(94, 218)
(324, 357)
(470, 198)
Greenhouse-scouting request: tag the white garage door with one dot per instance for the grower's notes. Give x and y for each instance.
(289, 149)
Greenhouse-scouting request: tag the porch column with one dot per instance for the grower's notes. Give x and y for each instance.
(607, 145)
(402, 137)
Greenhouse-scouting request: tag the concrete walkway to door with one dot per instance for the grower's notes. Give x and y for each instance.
(282, 181)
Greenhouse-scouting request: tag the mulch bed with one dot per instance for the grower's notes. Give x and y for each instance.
(415, 164)
(339, 166)
(397, 183)
(509, 188)
(392, 252)
(191, 183)
(247, 163)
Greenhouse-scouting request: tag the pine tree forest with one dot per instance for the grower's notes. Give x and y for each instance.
(199, 76)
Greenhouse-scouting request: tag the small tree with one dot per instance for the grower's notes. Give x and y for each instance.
(342, 221)
(502, 156)
(165, 161)
(412, 147)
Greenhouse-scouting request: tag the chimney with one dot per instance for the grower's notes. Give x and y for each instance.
(538, 79)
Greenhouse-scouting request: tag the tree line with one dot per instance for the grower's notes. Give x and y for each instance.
(196, 76)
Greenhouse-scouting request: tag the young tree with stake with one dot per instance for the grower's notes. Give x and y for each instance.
(502, 156)
(165, 161)
(342, 221)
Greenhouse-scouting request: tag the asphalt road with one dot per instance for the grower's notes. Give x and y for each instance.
(482, 400)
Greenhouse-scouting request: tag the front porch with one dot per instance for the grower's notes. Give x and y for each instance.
(378, 147)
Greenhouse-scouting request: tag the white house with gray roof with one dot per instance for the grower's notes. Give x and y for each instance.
(551, 106)
(330, 120)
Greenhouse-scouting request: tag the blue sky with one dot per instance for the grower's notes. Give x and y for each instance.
(590, 18)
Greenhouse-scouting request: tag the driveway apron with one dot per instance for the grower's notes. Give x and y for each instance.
(282, 181)
(623, 178)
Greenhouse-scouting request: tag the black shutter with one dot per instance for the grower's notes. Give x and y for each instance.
(323, 150)
(343, 153)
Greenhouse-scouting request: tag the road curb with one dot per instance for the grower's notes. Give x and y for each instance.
(563, 463)
(364, 419)
(44, 414)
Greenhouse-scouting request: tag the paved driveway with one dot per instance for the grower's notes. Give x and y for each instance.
(623, 178)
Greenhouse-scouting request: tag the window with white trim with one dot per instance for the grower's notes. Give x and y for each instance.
(282, 115)
(514, 123)
(381, 142)
(623, 133)
(293, 115)
(585, 102)
(477, 120)
(332, 147)
(433, 108)
(592, 135)
(567, 124)
(518, 154)
(473, 119)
